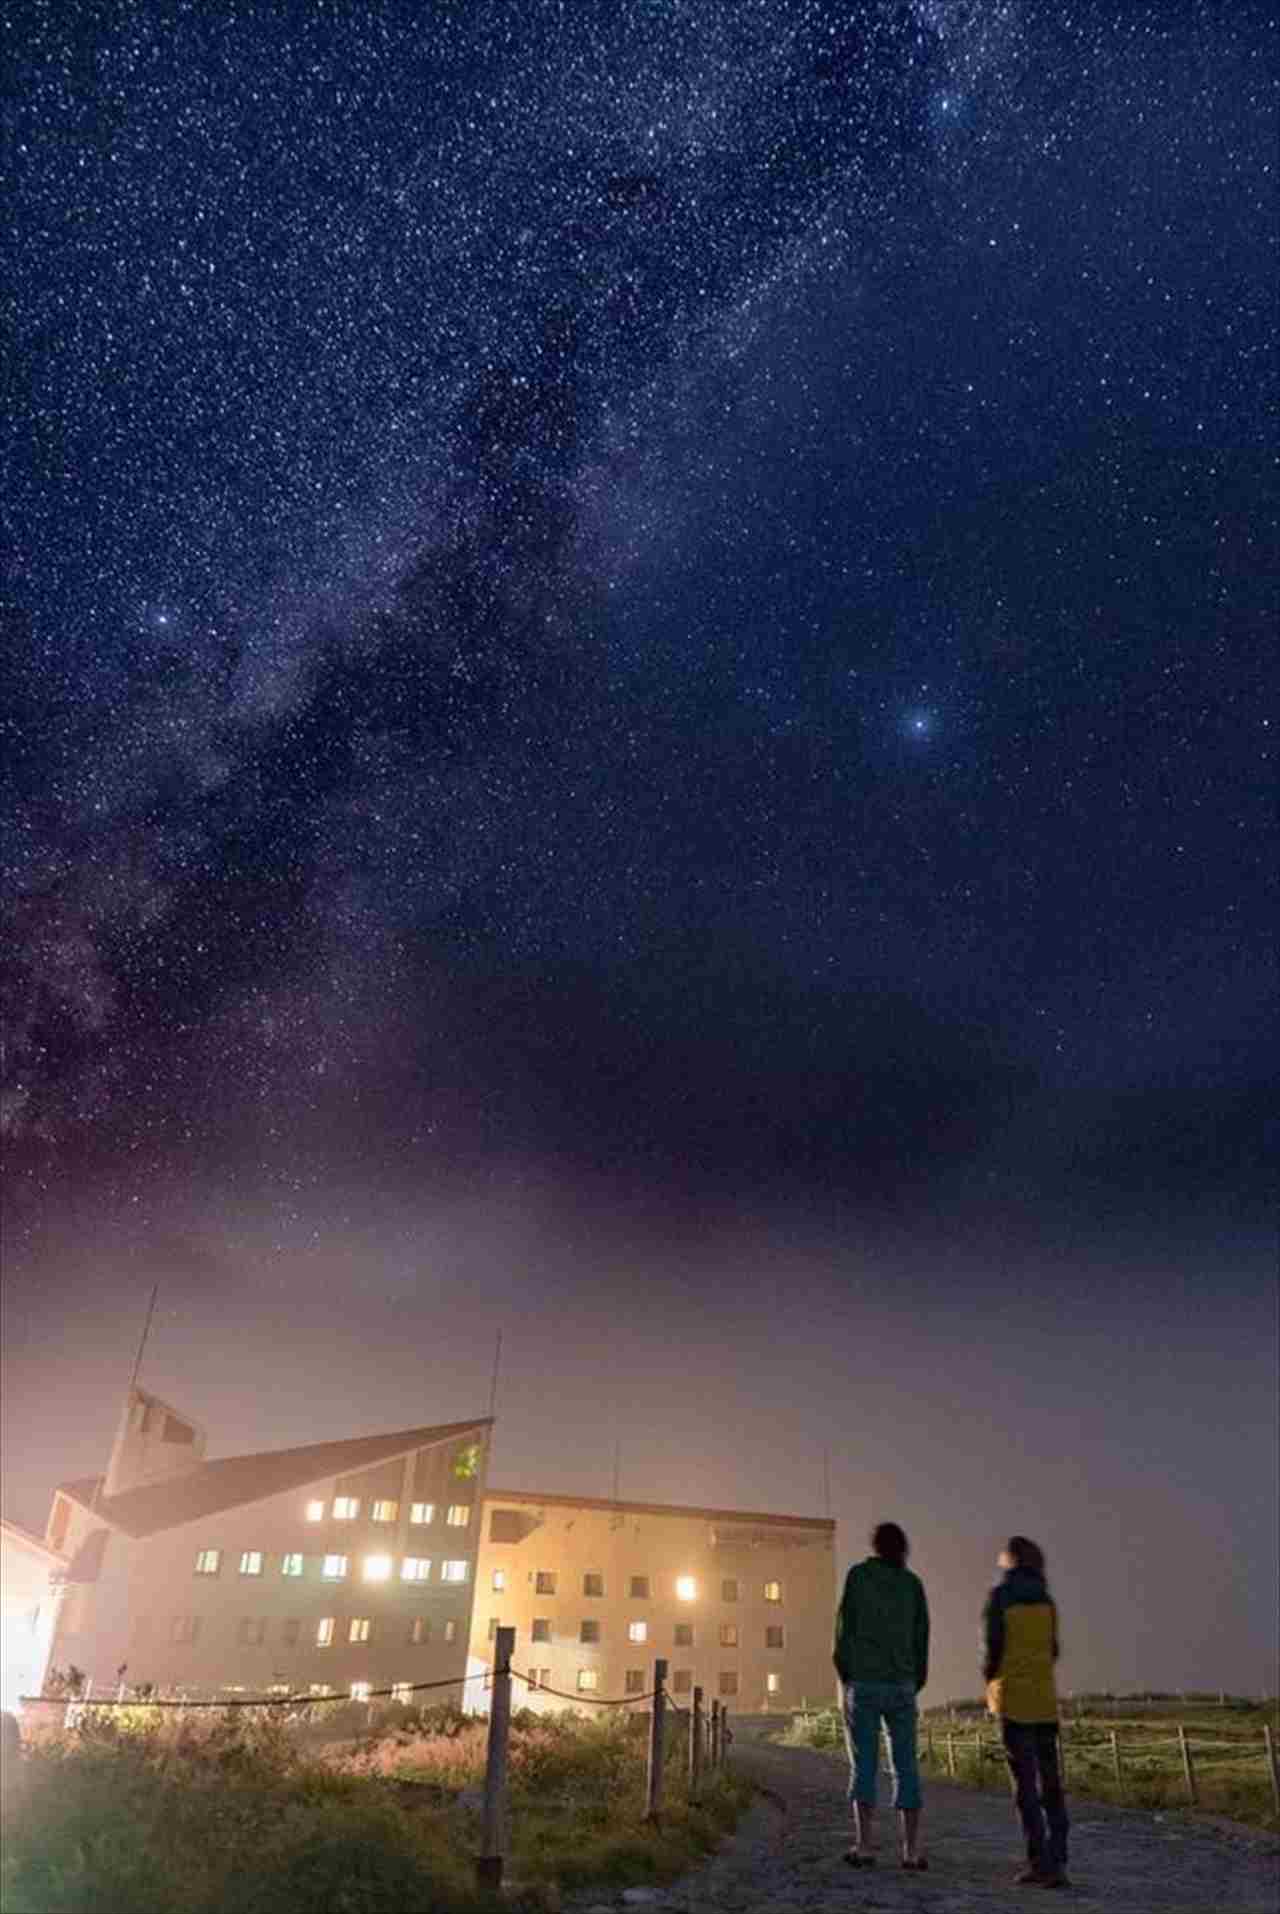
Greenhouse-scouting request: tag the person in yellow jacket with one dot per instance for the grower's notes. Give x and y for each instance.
(1020, 1647)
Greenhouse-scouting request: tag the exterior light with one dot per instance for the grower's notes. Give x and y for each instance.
(686, 1588)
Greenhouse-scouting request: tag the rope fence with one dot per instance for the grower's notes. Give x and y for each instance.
(708, 1733)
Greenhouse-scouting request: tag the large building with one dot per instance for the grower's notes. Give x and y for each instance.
(30, 1582)
(384, 1562)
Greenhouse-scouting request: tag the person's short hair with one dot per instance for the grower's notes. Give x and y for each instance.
(890, 1543)
(1024, 1553)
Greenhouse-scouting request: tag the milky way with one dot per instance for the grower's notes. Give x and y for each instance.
(538, 485)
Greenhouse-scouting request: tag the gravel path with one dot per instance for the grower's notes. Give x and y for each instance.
(786, 1856)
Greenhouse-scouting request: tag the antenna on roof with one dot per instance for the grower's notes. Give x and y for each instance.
(146, 1331)
(493, 1383)
(133, 1377)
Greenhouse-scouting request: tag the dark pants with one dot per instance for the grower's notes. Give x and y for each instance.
(1031, 1749)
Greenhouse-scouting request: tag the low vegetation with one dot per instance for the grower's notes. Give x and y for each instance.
(1225, 1737)
(234, 1813)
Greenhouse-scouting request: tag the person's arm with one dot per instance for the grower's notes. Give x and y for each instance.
(992, 1636)
(1056, 1644)
(844, 1628)
(922, 1637)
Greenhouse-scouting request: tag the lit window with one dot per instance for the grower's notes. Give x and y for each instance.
(499, 1580)
(251, 1562)
(728, 1681)
(773, 1591)
(415, 1568)
(453, 1571)
(324, 1632)
(319, 1688)
(637, 1631)
(377, 1568)
(728, 1634)
(361, 1690)
(422, 1512)
(466, 1461)
(291, 1565)
(252, 1631)
(402, 1691)
(533, 1678)
(774, 1637)
(772, 1684)
(682, 1681)
(385, 1511)
(346, 1508)
(419, 1630)
(278, 1688)
(315, 1511)
(682, 1635)
(541, 1629)
(208, 1561)
(334, 1567)
(451, 1630)
(458, 1515)
(185, 1628)
(686, 1588)
(633, 1681)
(728, 1591)
(588, 1680)
(358, 1628)
(593, 1584)
(639, 1588)
(589, 1632)
(544, 1582)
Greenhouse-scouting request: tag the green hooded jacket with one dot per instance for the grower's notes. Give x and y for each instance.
(882, 1625)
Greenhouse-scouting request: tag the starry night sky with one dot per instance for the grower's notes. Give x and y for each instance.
(638, 704)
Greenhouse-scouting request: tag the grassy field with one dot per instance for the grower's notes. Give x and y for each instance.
(1226, 1744)
(242, 1819)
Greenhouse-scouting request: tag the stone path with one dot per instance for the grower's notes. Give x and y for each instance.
(785, 1857)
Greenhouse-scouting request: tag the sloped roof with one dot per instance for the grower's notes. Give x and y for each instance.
(526, 1497)
(210, 1487)
(24, 1538)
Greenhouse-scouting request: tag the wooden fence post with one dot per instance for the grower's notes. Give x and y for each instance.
(1270, 1746)
(695, 1744)
(977, 1750)
(715, 1734)
(725, 1736)
(494, 1814)
(657, 1741)
(951, 1756)
(1115, 1762)
(1188, 1767)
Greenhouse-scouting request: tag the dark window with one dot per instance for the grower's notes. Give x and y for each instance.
(639, 1588)
(682, 1681)
(728, 1591)
(593, 1584)
(773, 1637)
(728, 1681)
(541, 1630)
(633, 1682)
(420, 1630)
(683, 1636)
(289, 1632)
(589, 1632)
(728, 1634)
(544, 1677)
(544, 1582)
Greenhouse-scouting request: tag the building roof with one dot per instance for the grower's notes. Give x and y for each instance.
(210, 1487)
(16, 1536)
(535, 1497)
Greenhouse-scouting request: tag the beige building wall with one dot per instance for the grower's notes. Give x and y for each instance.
(739, 1604)
(194, 1609)
(30, 1575)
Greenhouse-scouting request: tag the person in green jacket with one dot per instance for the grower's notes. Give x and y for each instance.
(882, 1659)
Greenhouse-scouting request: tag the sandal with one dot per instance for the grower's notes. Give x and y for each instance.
(856, 1858)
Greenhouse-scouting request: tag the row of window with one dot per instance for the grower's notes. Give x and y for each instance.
(334, 1568)
(346, 1508)
(545, 1582)
(681, 1635)
(634, 1680)
(251, 1630)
